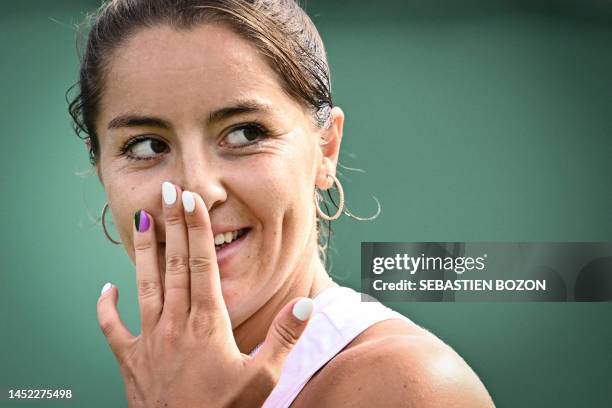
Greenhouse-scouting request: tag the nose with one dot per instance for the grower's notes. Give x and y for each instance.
(201, 172)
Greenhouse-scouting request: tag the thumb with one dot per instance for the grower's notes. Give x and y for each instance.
(117, 335)
(284, 333)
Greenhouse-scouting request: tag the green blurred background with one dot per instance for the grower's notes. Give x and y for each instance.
(474, 121)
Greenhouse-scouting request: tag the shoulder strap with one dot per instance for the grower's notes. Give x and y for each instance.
(339, 316)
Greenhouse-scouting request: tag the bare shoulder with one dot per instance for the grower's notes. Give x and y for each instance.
(395, 364)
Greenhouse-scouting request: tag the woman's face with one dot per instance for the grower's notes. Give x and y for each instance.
(167, 92)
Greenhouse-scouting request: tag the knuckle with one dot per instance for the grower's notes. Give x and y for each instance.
(148, 288)
(107, 327)
(174, 219)
(176, 264)
(141, 246)
(268, 375)
(202, 326)
(200, 264)
(206, 307)
(171, 333)
(196, 225)
(284, 336)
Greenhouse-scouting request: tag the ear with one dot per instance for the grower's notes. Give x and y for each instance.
(330, 149)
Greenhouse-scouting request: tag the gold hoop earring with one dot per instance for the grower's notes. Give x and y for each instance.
(104, 226)
(340, 206)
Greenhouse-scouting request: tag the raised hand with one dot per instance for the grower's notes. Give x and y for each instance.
(186, 355)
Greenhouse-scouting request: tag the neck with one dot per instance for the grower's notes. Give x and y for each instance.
(308, 280)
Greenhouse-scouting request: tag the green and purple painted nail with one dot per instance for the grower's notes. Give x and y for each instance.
(141, 221)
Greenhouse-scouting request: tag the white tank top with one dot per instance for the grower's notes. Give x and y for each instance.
(338, 317)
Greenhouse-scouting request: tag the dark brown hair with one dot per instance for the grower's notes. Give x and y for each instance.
(280, 29)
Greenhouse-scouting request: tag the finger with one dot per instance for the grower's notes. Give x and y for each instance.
(283, 334)
(117, 335)
(176, 296)
(148, 279)
(206, 292)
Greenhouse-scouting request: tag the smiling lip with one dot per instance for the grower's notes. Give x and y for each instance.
(227, 252)
(220, 229)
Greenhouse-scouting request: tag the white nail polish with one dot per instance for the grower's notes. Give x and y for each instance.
(303, 308)
(169, 193)
(188, 201)
(106, 287)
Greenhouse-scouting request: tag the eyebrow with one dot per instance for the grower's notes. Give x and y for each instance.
(238, 108)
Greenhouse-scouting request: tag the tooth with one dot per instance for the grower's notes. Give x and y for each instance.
(228, 237)
(219, 239)
(234, 235)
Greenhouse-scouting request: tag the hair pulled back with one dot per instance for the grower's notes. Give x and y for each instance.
(280, 30)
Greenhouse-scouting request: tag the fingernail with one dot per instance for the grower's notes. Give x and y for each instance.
(141, 221)
(188, 201)
(169, 193)
(106, 287)
(303, 308)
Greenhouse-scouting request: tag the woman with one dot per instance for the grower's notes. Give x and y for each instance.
(211, 125)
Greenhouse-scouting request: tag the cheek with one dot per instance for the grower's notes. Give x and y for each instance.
(285, 177)
(279, 194)
(271, 188)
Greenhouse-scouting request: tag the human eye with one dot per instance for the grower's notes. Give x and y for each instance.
(245, 135)
(143, 148)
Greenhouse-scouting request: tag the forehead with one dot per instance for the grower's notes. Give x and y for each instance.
(181, 71)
